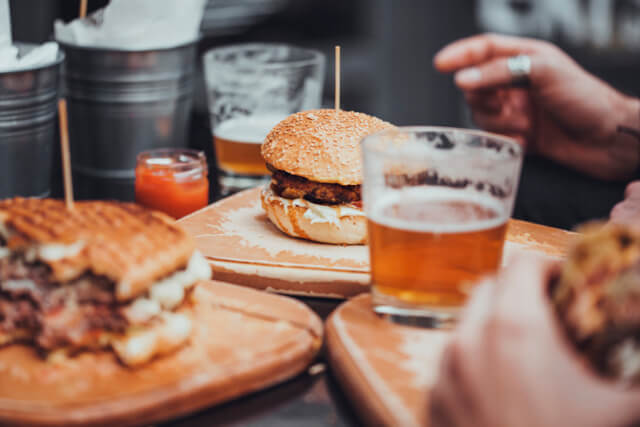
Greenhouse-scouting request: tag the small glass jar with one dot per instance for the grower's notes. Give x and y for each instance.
(172, 180)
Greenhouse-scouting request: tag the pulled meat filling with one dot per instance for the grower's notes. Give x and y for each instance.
(57, 314)
(296, 187)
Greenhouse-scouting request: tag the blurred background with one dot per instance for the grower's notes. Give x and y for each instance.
(387, 51)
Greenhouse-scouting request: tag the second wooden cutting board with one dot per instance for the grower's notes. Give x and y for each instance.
(243, 247)
(243, 341)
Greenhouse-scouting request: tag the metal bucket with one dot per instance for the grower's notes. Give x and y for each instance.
(122, 102)
(28, 111)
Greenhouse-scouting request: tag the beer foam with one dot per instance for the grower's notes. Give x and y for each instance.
(412, 196)
(248, 129)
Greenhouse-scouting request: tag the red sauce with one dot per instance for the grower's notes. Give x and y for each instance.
(175, 184)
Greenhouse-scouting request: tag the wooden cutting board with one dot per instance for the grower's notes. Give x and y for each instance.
(388, 369)
(244, 340)
(243, 247)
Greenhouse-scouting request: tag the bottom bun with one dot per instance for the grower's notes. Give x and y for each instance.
(339, 224)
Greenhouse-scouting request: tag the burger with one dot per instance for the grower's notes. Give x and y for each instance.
(316, 166)
(102, 276)
(596, 296)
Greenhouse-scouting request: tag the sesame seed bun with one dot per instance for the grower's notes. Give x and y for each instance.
(321, 145)
(336, 224)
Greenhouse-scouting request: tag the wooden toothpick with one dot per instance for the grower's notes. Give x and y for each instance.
(83, 8)
(66, 157)
(337, 77)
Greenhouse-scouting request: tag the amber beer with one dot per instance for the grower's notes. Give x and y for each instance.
(427, 251)
(237, 143)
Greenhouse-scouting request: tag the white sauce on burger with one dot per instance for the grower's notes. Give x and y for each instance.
(315, 212)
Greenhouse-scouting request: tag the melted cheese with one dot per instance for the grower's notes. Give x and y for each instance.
(141, 310)
(169, 292)
(19, 285)
(315, 212)
(57, 252)
(138, 346)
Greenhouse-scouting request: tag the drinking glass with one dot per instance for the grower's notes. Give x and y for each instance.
(252, 87)
(437, 201)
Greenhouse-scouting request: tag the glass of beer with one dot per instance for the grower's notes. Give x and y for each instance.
(252, 87)
(437, 201)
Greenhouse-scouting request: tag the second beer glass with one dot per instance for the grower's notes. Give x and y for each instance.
(252, 87)
(438, 201)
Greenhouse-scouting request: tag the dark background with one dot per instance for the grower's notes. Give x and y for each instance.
(387, 51)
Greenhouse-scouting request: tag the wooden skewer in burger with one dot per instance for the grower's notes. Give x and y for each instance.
(316, 163)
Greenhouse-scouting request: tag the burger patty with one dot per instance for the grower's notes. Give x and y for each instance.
(296, 187)
(56, 315)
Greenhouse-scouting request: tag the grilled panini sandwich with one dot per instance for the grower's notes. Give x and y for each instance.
(597, 298)
(104, 275)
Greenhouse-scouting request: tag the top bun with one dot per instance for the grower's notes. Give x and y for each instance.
(321, 145)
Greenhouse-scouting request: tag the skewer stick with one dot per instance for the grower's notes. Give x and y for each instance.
(66, 157)
(337, 77)
(83, 8)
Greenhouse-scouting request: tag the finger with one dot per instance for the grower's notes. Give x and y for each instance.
(626, 213)
(440, 415)
(519, 298)
(477, 309)
(491, 74)
(632, 189)
(503, 122)
(478, 49)
(449, 400)
(488, 101)
(526, 276)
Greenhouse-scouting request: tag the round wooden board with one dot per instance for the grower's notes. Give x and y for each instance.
(388, 369)
(243, 341)
(244, 248)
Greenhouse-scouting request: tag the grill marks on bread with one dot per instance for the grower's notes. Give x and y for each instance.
(131, 246)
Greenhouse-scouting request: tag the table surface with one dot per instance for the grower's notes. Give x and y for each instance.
(309, 400)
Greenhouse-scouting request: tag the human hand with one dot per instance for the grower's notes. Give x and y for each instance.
(628, 211)
(509, 365)
(565, 113)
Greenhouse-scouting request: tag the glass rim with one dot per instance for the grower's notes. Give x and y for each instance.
(209, 56)
(196, 158)
(414, 129)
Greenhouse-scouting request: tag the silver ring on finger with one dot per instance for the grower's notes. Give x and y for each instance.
(520, 69)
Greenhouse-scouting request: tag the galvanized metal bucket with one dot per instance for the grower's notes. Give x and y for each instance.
(122, 102)
(28, 111)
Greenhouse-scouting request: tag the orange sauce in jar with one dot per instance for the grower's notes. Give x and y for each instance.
(173, 181)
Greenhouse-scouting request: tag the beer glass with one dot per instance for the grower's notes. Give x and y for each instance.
(252, 87)
(437, 202)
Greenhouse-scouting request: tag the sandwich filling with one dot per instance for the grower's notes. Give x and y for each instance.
(84, 312)
(290, 186)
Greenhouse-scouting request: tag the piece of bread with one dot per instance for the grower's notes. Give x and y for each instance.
(596, 296)
(132, 246)
(321, 145)
(339, 224)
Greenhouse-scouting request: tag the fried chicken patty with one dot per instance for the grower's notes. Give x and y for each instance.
(296, 187)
